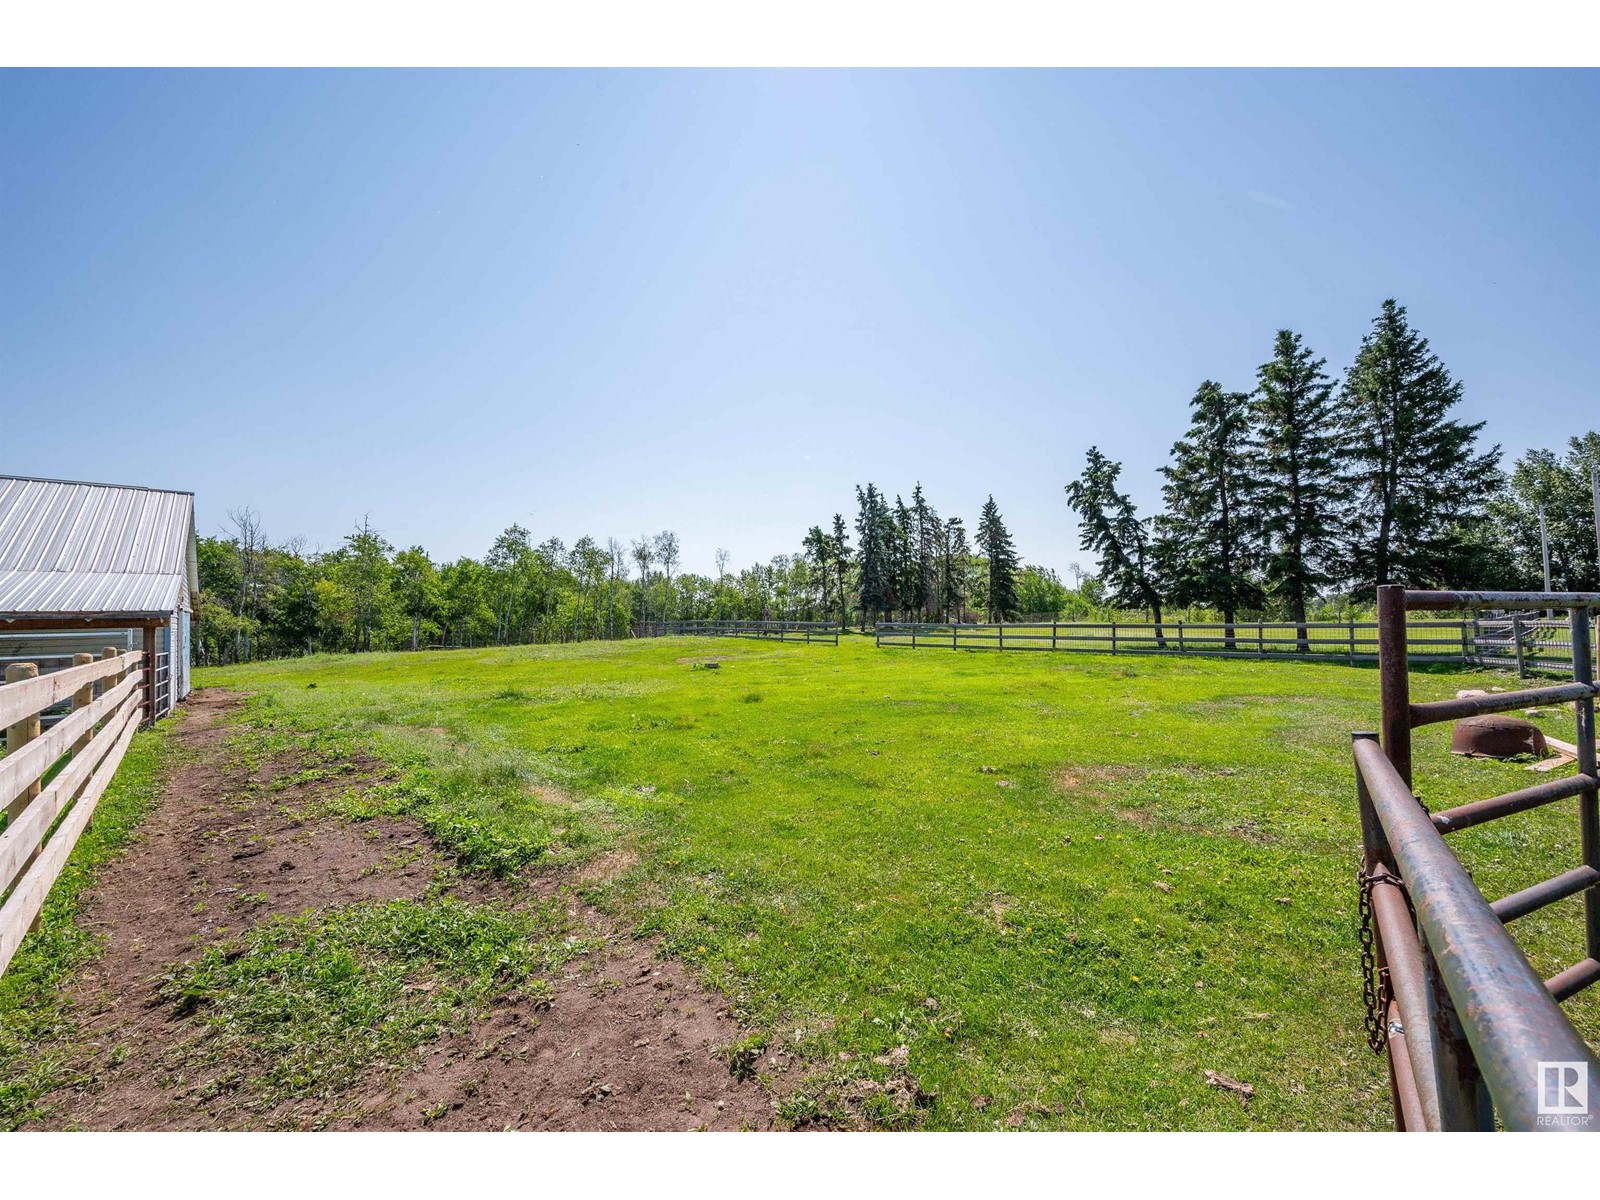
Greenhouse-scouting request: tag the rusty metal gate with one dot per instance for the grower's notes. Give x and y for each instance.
(1474, 1037)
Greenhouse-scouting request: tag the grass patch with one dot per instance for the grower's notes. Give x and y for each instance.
(305, 1007)
(1067, 885)
(489, 812)
(37, 1034)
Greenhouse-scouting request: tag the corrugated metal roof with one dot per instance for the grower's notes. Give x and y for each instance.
(93, 548)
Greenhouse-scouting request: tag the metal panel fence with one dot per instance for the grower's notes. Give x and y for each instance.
(778, 631)
(1474, 1036)
(1527, 642)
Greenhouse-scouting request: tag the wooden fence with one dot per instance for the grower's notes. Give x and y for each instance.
(778, 631)
(1525, 642)
(50, 781)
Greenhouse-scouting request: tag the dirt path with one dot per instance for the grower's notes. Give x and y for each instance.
(628, 1041)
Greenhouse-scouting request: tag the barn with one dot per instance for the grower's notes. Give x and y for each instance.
(85, 566)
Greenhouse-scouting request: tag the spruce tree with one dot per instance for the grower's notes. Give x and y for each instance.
(875, 553)
(906, 574)
(1207, 534)
(953, 569)
(1419, 479)
(995, 542)
(926, 530)
(839, 544)
(1296, 461)
(1113, 532)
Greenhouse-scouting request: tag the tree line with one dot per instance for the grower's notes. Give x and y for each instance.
(260, 600)
(1291, 501)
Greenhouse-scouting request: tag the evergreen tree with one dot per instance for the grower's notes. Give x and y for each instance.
(818, 548)
(905, 560)
(1296, 463)
(1113, 532)
(1208, 540)
(839, 544)
(995, 542)
(874, 553)
(955, 551)
(925, 532)
(1420, 481)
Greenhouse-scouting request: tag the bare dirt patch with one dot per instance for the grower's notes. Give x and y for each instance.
(608, 866)
(625, 1041)
(629, 1042)
(1091, 778)
(550, 795)
(1153, 818)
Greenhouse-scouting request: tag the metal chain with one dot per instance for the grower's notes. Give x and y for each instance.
(1375, 985)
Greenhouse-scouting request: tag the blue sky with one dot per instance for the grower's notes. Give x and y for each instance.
(617, 302)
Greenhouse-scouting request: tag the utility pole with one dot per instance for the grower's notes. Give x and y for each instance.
(1594, 482)
(1544, 548)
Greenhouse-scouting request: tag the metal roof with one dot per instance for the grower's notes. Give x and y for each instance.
(93, 548)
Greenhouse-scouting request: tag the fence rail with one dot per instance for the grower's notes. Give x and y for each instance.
(63, 770)
(1527, 642)
(778, 631)
(1472, 1033)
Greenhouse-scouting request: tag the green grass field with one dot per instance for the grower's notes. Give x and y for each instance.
(1068, 885)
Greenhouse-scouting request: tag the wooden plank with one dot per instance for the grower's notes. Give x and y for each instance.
(21, 839)
(35, 695)
(31, 891)
(1550, 764)
(19, 770)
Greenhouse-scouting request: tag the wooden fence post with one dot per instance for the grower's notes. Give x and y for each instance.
(1516, 635)
(1113, 637)
(1352, 641)
(1052, 635)
(106, 654)
(1261, 639)
(19, 735)
(82, 698)
(1180, 636)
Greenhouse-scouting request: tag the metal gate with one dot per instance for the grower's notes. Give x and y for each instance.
(1473, 1035)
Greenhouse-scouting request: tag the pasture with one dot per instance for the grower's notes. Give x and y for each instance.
(1054, 891)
